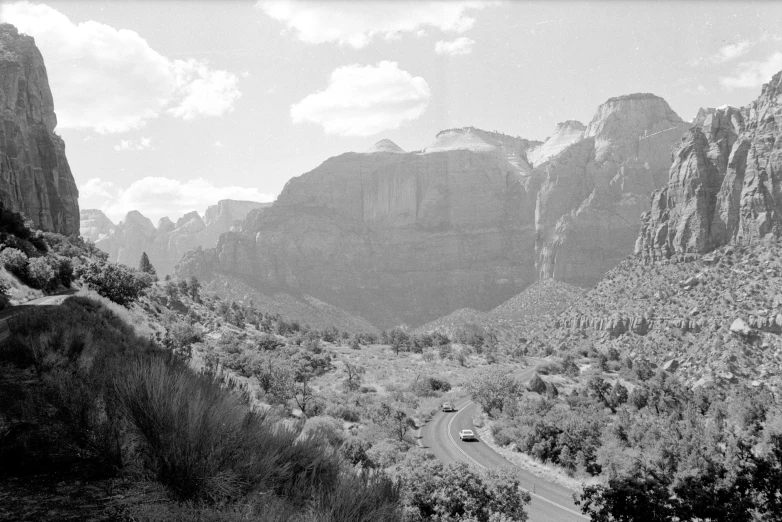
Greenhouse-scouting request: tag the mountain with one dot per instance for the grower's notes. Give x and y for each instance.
(566, 134)
(166, 243)
(701, 298)
(594, 190)
(468, 222)
(725, 183)
(35, 178)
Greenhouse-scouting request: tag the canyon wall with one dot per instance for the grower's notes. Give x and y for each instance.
(469, 221)
(725, 183)
(35, 178)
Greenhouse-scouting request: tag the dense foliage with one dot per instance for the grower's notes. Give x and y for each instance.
(113, 281)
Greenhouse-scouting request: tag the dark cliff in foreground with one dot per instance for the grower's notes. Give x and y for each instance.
(35, 178)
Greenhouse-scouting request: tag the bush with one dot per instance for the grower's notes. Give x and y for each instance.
(5, 293)
(15, 261)
(119, 283)
(40, 274)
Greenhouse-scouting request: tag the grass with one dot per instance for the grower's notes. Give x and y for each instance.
(81, 389)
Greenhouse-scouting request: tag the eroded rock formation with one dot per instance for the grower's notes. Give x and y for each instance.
(470, 221)
(166, 243)
(35, 178)
(725, 184)
(594, 190)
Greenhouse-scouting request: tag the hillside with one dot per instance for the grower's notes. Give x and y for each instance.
(520, 316)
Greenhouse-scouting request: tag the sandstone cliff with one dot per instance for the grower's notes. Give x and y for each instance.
(396, 237)
(725, 184)
(166, 243)
(594, 190)
(35, 178)
(468, 222)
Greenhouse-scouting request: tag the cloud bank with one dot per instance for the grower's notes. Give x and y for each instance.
(110, 80)
(462, 45)
(356, 23)
(156, 197)
(753, 73)
(361, 101)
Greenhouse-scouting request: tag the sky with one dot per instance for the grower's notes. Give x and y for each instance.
(168, 107)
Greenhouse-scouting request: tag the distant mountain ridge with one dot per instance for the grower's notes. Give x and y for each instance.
(166, 243)
(467, 222)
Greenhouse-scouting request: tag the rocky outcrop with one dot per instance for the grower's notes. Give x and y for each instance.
(468, 222)
(725, 184)
(166, 243)
(594, 190)
(566, 134)
(35, 178)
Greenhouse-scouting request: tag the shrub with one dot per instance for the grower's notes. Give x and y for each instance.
(113, 281)
(15, 261)
(5, 290)
(40, 273)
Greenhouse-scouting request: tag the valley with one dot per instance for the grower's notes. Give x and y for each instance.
(601, 308)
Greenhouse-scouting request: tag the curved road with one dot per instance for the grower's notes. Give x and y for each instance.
(49, 300)
(550, 501)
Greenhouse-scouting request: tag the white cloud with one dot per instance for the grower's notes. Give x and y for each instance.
(361, 101)
(156, 197)
(111, 80)
(732, 51)
(754, 73)
(97, 188)
(140, 144)
(461, 45)
(357, 23)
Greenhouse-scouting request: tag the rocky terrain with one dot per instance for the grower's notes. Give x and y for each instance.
(725, 184)
(467, 222)
(166, 243)
(524, 315)
(35, 178)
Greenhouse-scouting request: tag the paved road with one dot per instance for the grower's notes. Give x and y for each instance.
(49, 300)
(550, 501)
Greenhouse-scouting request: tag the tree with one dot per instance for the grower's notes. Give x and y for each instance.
(145, 266)
(394, 419)
(493, 388)
(354, 376)
(40, 274)
(5, 291)
(194, 287)
(117, 282)
(433, 491)
(15, 261)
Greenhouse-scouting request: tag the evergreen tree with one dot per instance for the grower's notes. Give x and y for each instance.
(145, 266)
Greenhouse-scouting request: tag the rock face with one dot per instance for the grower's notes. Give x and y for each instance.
(35, 178)
(566, 134)
(166, 243)
(725, 184)
(395, 237)
(469, 222)
(594, 190)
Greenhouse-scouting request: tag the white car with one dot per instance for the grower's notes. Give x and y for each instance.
(448, 406)
(467, 435)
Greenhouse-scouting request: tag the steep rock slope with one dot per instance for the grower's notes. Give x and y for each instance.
(396, 237)
(725, 183)
(566, 134)
(35, 178)
(594, 190)
(468, 222)
(166, 243)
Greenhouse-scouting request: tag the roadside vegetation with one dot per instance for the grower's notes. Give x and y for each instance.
(141, 399)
